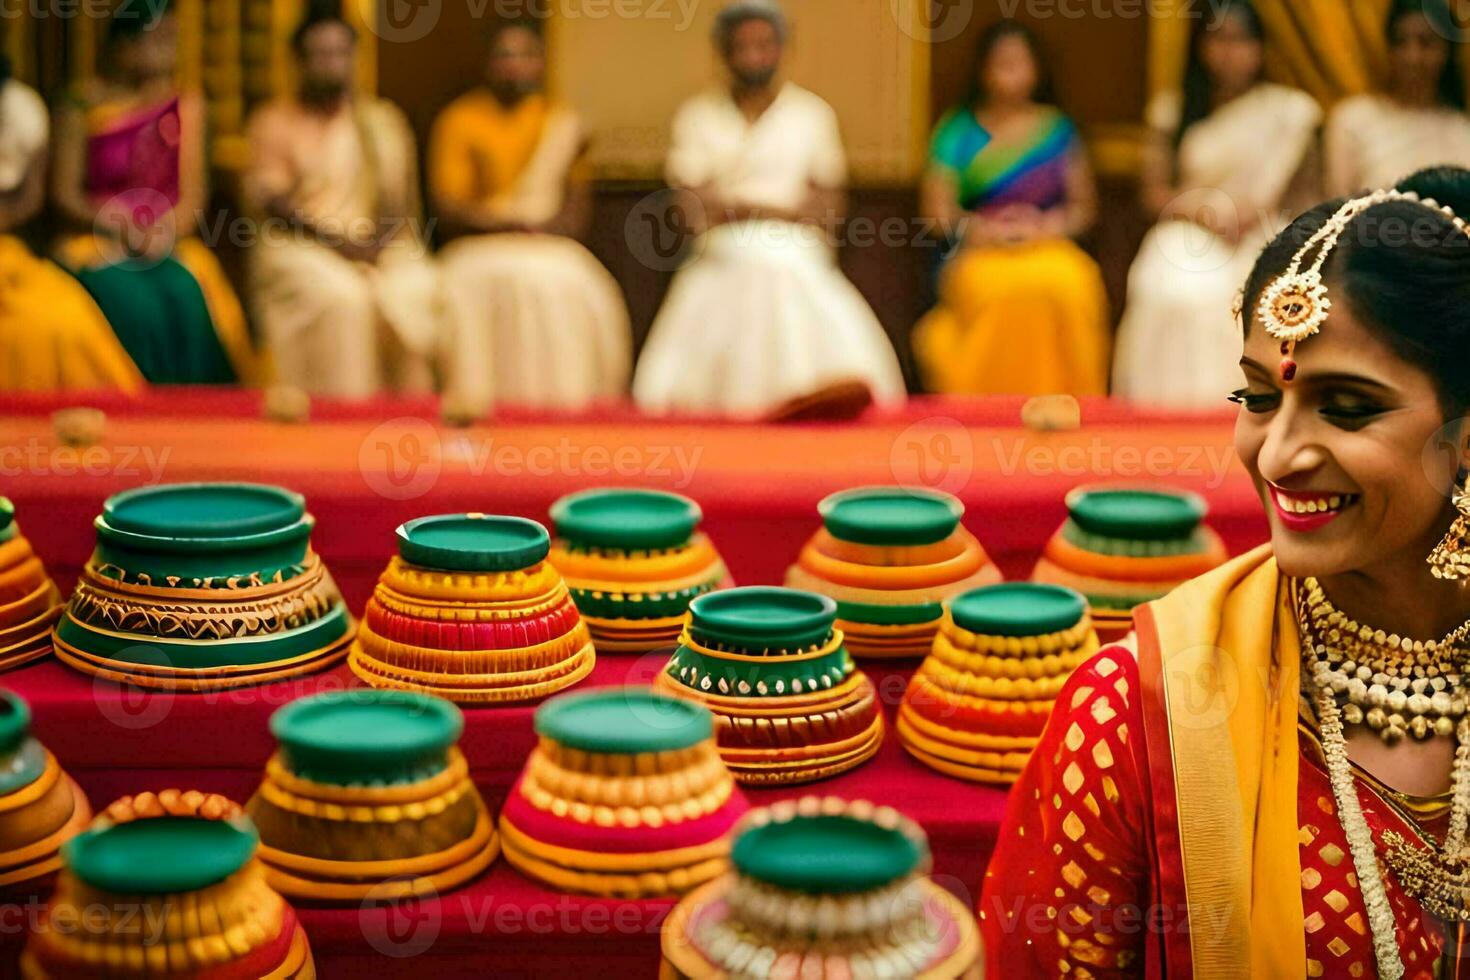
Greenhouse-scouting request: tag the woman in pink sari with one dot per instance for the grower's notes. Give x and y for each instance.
(129, 176)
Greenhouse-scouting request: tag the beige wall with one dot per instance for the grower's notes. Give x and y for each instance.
(628, 75)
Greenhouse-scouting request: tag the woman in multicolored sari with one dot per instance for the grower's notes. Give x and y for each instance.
(1271, 778)
(129, 176)
(52, 335)
(1022, 308)
(1418, 120)
(1232, 158)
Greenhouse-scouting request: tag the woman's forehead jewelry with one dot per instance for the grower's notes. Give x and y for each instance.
(1296, 304)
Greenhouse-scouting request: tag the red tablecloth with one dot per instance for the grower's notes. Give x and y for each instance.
(366, 468)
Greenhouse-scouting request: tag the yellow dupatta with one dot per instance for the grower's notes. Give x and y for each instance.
(1227, 655)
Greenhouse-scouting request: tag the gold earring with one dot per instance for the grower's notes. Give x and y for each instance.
(1451, 559)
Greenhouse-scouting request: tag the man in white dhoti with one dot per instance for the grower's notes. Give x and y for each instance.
(347, 296)
(761, 317)
(534, 318)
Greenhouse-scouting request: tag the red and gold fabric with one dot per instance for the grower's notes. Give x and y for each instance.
(1176, 818)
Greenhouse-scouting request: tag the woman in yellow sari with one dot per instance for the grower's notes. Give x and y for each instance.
(1272, 777)
(52, 335)
(1022, 308)
(129, 176)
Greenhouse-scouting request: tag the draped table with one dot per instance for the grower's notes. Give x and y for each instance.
(366, 468)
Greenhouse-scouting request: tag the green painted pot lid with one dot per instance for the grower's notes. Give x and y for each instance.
(367, 736)
(15, 721)
(624, 720)
(891, 515)
(7, 513)
(22, 758)
(826, 854)
(627, 520)
(203, 510)
(161, 856)
(1018, 609)
(473, 542)
(762, 616)
(1139, 514)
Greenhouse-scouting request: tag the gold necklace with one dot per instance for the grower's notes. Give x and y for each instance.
(1440, 882)
(1395, 685)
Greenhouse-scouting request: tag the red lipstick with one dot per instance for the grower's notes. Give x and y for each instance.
(1304, 511)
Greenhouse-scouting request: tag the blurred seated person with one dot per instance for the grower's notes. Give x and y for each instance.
(347, 297)
(1418, 120)
(533, 317)
(52, 335)
(762, 316)
(128, 178)
(1233, 158)
(1023, 310)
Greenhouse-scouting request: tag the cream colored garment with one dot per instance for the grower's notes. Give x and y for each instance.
(762, 314)
(534, 319)
(24, 130)
(1373, 142)
(1179, 345)
(337, 327)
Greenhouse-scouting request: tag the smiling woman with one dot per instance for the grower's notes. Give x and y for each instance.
(1277, 767)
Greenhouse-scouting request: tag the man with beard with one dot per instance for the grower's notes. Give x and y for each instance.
(533, 319)
(345, 292)
(761, 320)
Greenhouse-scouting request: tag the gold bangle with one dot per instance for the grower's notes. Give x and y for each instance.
(510, 663)
(423, 864)
(655, 789)
(470, 611)
(826, 649)
(616, 861)
(376, 676)
(455, 772)
(966, 739)
(426, 583)
(632, 568)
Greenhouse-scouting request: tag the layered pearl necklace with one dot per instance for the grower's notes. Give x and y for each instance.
(1394, 685)
(1362, 676)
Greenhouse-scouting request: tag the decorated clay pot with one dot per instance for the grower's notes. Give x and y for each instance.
(624, 796)
(1124, 546)
(369, 797)
(40, 807)
(891, 557)
(470, 610)
(204, 586)
(789, 704)
(167, 885)
(823, 889)
(29, 601)
(634, 559)
(978, 703)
